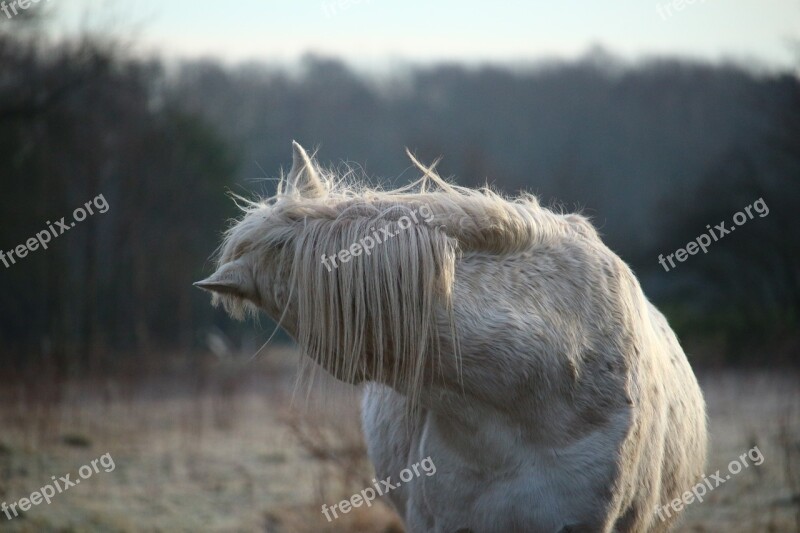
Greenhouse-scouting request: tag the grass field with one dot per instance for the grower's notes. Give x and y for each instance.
(230, 446)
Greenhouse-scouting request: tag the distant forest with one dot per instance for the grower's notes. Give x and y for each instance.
(653, 152)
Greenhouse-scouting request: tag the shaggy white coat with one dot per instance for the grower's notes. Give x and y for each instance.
(503, 340)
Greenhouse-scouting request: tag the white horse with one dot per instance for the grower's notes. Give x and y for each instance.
(502, 340)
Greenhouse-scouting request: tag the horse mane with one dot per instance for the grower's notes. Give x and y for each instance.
(386, 316)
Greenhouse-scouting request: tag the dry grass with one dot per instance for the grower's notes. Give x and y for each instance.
(220, 446)
(746, 410)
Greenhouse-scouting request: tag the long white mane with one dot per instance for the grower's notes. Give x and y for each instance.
(393, 304)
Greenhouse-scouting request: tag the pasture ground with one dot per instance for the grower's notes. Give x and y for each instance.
(232, 446)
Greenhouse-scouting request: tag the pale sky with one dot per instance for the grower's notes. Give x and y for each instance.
(373, 32)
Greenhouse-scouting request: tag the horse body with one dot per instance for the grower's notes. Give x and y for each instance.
(579, 411)
(503, 340)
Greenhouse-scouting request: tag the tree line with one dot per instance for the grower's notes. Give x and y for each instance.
(653, 152)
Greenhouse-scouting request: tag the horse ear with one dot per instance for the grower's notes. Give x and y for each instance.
(304, 178)
(233, 279)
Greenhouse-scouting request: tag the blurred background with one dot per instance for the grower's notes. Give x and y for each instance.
(657, 119)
